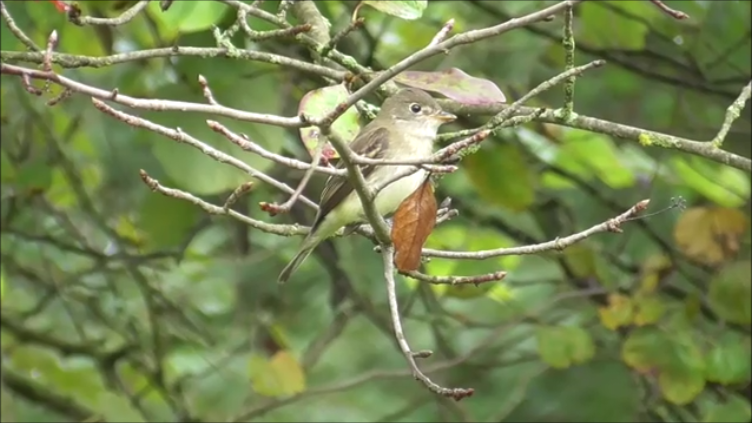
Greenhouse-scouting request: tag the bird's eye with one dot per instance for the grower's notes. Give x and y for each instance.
(415, 108)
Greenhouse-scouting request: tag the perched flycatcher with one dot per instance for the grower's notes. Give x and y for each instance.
(404, 129)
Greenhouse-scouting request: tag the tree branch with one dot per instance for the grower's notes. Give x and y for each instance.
(732, 113)
(40, 394)
(611, 225)
(457, 393)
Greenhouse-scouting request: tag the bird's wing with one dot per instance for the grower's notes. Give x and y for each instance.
(370, 143)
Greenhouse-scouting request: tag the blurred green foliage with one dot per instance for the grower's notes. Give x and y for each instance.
(119, 304)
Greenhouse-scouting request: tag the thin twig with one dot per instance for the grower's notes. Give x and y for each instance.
(611, 225)
(332, 44)
(676, 14)
(254, 35)
(272, 228)
(732, 113)
(569, 46)
(456, 280)
(543, 86)
(457, 393)
(151, 104)
(240, 191)
(430, 51)
(15, 30)
(246, 144)
(180, 136)
(70, 61)
(443, 32)
(274, 209)
(124, 17)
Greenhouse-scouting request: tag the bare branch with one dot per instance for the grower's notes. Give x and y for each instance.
(430, 51)
(457, 280)
(443, 33)
(151, 104)
(236, 194)
(274, 209)
(70, 61)
(568, 42)
(676, 14)
(245, 143)
(265, 35)
(732, 113)
(352, 26)
(180, 136)
(543, 86)
(16, 31)
(124, 17)
(457, 393)
(284, 230)
(611, 225)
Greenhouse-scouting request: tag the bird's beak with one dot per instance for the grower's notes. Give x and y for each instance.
(445, 117)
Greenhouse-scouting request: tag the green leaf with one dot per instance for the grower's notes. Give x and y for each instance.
(7, 168)
(649, 309)
(34, 176)
(405, 9)
(552, 346)
(721, 184)
(730, 293)
(728, 362)
(588, 154)
(603, 28)
(563, 346)
(681, 385)
(189, 16)
(279, 376)
(318, 103)
(2, 283)
(581, 345)
(166, 221)
(735, 409)
(501, 176)
(646, 349)
(455, 84)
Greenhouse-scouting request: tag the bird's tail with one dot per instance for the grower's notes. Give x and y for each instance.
(305, 250)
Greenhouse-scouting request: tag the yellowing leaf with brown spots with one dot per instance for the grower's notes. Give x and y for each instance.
(413, 222)
(710, 234)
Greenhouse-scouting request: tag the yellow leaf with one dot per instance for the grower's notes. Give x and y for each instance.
(279, 376)
(618, 312)
(653, 270)
(710, 234)
(681, 385)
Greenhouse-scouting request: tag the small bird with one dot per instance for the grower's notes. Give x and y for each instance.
(405, 129)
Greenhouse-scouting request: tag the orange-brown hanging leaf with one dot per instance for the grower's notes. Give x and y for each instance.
(413, 222)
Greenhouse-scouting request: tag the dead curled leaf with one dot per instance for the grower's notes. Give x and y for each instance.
(413, 222)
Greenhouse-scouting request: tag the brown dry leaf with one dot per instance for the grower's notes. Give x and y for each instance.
(413, 222)
(710, 234)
